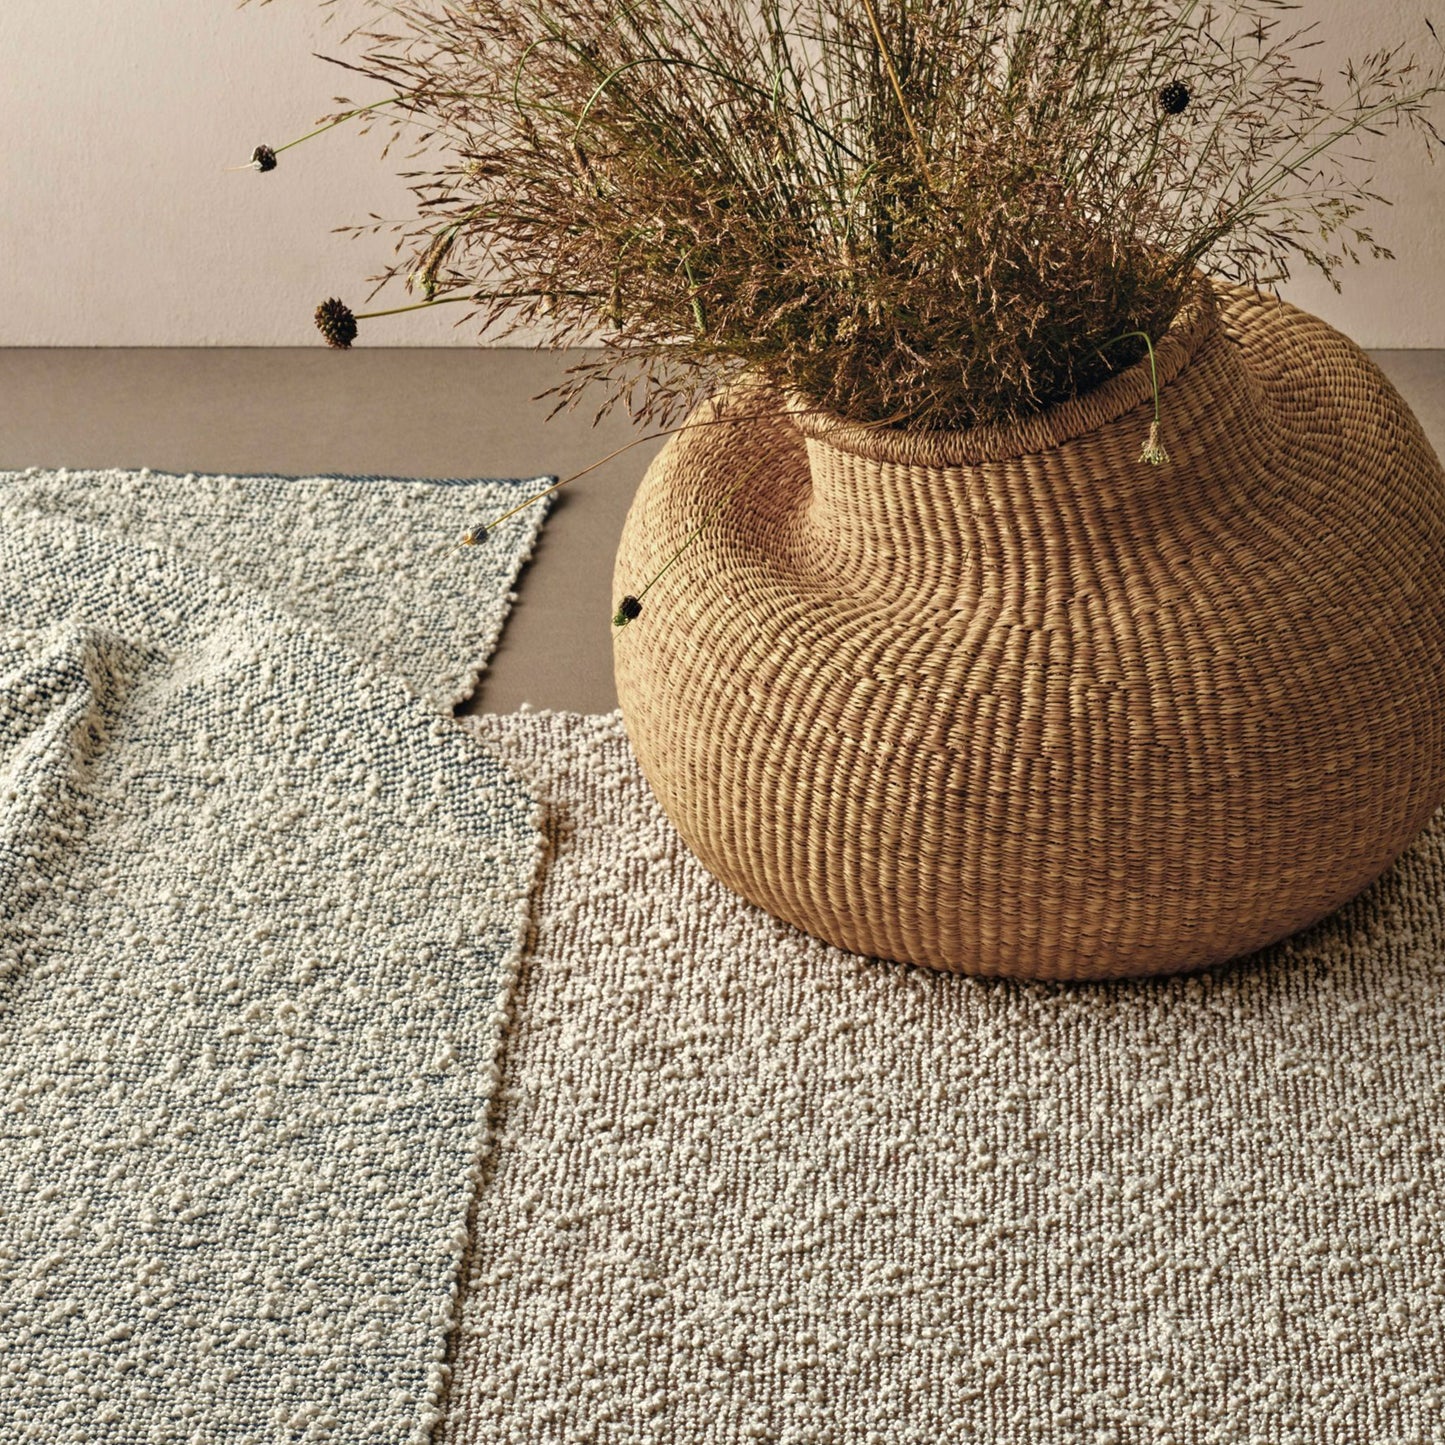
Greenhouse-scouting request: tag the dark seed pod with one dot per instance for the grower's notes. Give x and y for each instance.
(334, 320)
(263, 158)
(629, 608)
(1173, 98)
(475, 537)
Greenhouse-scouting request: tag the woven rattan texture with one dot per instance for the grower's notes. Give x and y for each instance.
(1043, 710)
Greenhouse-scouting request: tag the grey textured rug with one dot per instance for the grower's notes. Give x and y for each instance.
(748, 1187)
(260, 907)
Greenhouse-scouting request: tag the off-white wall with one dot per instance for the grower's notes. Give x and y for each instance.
(118, 228)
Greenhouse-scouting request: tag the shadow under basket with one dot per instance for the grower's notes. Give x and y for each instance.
(1012, 702)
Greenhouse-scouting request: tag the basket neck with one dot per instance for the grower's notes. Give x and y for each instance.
(1084, 452)
(930, 512)
(1194, 329)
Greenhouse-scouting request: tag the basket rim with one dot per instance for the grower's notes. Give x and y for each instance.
(1195, 325)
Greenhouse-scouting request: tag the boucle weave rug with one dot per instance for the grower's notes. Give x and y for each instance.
(745, 1186)
(260, 906)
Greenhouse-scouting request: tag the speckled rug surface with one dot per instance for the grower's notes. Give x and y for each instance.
(748, 1187)
(261, 901)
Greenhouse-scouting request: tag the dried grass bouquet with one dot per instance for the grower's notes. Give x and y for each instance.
(923, 213)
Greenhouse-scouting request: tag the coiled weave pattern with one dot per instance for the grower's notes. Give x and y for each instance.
(1012, 702)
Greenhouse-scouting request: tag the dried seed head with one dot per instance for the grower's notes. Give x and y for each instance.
(627, 609)
(334, 320)
(263, 158)
(1153, 451)
(612, 312)
(1174, 97)
(434, 257)
(582, 163)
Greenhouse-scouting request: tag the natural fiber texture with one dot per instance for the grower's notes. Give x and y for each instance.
(259, 912)
(364, 558)
(1017, 703)
(747, 1187)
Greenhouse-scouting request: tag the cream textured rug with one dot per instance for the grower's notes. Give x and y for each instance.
(260, 906)
(747, 1187)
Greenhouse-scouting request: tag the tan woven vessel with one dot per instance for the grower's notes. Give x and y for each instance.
(1012, 702)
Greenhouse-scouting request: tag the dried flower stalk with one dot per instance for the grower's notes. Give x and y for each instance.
(932, 213)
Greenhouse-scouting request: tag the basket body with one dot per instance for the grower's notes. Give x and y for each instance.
(1013, 703)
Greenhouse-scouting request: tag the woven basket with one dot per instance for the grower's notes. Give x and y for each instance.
(1011, 702)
